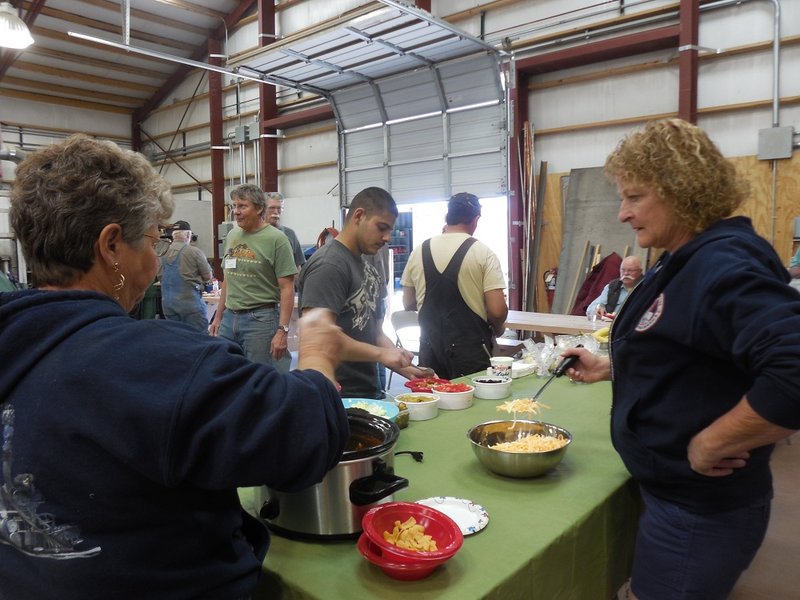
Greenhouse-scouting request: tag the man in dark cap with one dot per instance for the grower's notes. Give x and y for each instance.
(184, 270)
(457, 285)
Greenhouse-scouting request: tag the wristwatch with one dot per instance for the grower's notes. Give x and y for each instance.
(284, 328)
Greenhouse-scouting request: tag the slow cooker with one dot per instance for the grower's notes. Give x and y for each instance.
(332, 509)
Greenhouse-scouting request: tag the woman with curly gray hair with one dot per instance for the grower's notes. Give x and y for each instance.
(704, 354)
(124, 441)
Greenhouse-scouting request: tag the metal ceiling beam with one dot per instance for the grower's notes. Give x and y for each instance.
(688, 60)
(217, 156)
(111, 28)
(94, 62)
(303, 117)
(585, 54)
(267, 104)
(182, 71)
(81, 77)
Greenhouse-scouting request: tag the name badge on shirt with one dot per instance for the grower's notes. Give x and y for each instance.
(230, 263)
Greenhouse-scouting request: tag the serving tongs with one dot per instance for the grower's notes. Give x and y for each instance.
(562, 367)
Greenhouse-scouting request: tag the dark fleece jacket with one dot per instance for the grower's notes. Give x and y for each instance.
(124, 442)
(712, 323)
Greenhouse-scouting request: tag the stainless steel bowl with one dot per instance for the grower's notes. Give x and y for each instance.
(516, 464)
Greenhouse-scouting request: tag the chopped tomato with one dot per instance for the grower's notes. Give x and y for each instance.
(424, 384)
(451, 388)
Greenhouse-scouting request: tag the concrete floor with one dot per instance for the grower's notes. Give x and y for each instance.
(774, 572)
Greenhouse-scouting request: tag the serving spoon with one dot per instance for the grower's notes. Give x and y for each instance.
(562, 367)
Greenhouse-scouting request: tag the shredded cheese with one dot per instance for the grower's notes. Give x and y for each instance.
(532, 443)
(370, 408)
(521, 405)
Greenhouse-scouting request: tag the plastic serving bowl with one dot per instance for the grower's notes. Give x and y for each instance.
(516, 464)
(454, 400)
(421, 406)
(438, 525)
(396, 570)
(492, 387)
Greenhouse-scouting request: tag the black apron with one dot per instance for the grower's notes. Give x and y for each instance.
(454, 341)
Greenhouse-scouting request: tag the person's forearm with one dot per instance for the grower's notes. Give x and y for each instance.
(794, 272)
(383, 341)
(353, 350)
(318, 363)
(496, 310)
(287, 304)
(221, 303)
(740, 429)
(498, 326)
(409, 298)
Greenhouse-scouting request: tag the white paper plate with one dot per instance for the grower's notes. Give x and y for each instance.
(470, 517)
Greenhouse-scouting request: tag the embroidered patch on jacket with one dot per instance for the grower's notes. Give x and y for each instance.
(652, 315)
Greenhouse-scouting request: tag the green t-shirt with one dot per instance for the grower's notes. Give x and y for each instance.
(253, 263)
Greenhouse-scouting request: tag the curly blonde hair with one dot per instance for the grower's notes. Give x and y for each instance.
(684, 167)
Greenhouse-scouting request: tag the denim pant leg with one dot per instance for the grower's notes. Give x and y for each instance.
(228, 325)
(681, 555)
(256, 330)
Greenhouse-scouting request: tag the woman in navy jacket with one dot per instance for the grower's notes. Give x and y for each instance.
(124, 441)
(703, 365)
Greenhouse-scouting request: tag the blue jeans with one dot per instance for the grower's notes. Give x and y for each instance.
(681, 555)
(253, 330)
(190, 311)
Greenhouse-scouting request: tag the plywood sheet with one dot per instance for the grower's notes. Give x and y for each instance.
(591, 205)
(767, 215)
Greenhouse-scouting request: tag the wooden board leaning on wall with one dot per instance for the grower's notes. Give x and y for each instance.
(758, 207)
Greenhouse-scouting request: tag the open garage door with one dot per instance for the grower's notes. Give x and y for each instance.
(420, 106)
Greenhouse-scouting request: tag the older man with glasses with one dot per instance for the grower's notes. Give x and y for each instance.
(274, 212)
(616, 291)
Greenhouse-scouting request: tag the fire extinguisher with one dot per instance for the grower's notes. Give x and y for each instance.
(550, 277)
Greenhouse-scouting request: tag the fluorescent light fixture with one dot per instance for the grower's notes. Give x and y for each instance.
(14, 33)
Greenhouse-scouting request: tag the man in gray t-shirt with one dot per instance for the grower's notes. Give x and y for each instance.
(274, 212)
(338, 279)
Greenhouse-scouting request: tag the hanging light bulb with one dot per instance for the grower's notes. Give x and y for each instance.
(14, 32)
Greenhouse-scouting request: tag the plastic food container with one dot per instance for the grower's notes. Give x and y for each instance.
(445, 532)
(492, 387)
(420, 406)
(454, 400)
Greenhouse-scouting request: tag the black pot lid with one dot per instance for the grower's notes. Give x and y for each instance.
(370, 435)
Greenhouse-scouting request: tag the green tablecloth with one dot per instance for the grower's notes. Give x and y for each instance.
(568, 534)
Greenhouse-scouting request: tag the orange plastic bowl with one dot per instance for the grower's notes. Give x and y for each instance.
(438, 525)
